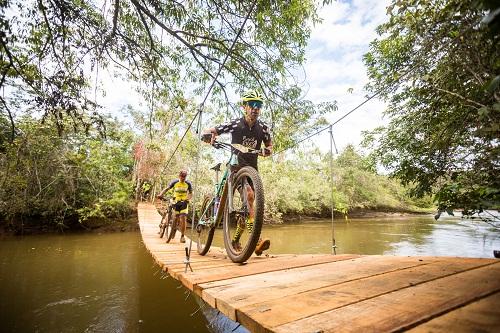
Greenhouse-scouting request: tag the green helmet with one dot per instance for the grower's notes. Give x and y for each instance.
(252, 95)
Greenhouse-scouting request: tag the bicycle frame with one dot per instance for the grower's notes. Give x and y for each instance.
(222, 193)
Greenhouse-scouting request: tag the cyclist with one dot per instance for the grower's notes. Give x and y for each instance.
(182, 191)
(250, 132)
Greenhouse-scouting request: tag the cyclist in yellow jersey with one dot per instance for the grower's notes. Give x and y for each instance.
(182, 191)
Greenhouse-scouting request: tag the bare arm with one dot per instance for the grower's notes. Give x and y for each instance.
(163, 191)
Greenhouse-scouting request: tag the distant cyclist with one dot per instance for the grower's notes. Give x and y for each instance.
(182, 191)
(250, 132)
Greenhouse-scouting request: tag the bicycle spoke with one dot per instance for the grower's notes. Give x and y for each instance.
(205, 228)
(243, 223)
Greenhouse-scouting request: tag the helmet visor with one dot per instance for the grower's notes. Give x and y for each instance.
(255, 104)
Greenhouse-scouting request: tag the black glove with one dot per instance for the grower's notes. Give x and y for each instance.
(265, 152)
(207, 137)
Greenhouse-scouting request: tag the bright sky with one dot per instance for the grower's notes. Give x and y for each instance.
(334, 64)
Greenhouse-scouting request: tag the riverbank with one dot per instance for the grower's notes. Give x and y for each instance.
(97, 225)
(358, 214)
(24, 226)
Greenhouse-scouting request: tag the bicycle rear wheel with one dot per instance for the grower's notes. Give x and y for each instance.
(240, 235)
(172, 219)
(205, 231)
(163, 224)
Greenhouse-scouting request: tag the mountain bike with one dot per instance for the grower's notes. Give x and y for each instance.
(167, 219)
(231, 204)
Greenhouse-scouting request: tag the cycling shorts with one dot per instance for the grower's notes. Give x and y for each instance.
(181, 207)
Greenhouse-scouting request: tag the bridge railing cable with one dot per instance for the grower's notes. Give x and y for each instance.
(377, 92)
(295, 144)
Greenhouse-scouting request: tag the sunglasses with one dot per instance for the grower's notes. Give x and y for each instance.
(255, 104)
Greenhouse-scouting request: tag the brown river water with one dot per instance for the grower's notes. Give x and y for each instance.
(109, 283)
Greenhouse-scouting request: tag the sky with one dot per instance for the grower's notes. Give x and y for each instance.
(334, 65)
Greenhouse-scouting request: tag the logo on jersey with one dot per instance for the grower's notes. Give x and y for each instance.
(249, 142)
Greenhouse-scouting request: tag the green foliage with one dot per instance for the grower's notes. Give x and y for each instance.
(46, 175)
(5, 132)
(438, 67)
(118, 205)
(172, 49)
(303, 186)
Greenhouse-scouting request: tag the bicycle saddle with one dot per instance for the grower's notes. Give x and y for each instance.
(216, 167)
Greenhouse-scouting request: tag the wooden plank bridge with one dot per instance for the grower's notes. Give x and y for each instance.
(327, 293)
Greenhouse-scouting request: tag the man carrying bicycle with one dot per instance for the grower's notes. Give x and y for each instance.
(253, 133)
(182, 191)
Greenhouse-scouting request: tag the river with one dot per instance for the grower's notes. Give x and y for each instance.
(109, 283)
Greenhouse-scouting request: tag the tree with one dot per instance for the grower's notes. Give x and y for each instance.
(437, 65)
(44, 174)
(48, 46)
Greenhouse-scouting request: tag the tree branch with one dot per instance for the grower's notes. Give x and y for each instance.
(115, 25)
(460, 96)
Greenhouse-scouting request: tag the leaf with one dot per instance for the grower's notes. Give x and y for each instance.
(493, 84)
(483, 112)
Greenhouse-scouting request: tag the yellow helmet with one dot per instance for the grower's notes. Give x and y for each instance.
(252, 95)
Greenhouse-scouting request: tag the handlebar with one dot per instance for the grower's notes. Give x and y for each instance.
(164, 198)
(234, 147)
(239, 149)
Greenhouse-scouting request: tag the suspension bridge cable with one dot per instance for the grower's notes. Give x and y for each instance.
(332, 201)
(334, 123)
(213, 82)
(378, 92)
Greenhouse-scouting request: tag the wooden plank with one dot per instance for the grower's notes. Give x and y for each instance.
(192, 279)
(278, 294)
(479, 316)
(283, 310)
(176, 270)
(404, 308)
(237, 293)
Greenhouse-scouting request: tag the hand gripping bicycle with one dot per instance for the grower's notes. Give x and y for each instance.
(238, 201)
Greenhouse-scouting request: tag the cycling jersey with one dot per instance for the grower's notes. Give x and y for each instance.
(180, 189)
(251, 137)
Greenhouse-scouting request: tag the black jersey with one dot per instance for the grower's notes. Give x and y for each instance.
(242, 134)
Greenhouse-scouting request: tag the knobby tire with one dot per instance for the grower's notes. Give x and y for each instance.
(205, 232)
(248, 248)
(173, 226)
(163, 225)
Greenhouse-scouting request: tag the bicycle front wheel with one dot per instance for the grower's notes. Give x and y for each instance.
(206, 230)
(241, 233)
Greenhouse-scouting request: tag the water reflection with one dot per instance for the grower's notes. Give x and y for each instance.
(89, 283)
(449, 236)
